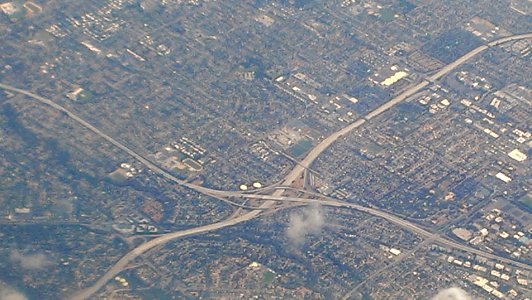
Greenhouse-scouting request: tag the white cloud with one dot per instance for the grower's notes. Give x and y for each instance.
(310, 221)
(7, 293)
(452, 293)
(37, 261)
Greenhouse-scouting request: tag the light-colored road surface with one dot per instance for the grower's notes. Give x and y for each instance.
(154, 168)
(436, 238)
(124, 261)
(130, 256)
(316, 151)
(292, 175)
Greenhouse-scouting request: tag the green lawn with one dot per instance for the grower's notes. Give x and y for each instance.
(268, 277)
(301, 147)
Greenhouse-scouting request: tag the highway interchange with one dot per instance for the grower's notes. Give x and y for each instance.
(277, 195)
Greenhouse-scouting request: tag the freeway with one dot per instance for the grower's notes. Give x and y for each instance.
(316, 151)
(448, 68)
(294, 174)
(111, 140)
(130, 256)
(122, 263)
(436, 238)
(311, 156)
(154, 168)
(270, 199)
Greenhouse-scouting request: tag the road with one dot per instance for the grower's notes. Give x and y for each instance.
(130, 256)
(154, 168)
(270, 200)
(436, 238)
(288, 180)
(396, 261)
(311, 156)
(316, 151)
(126, 259)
